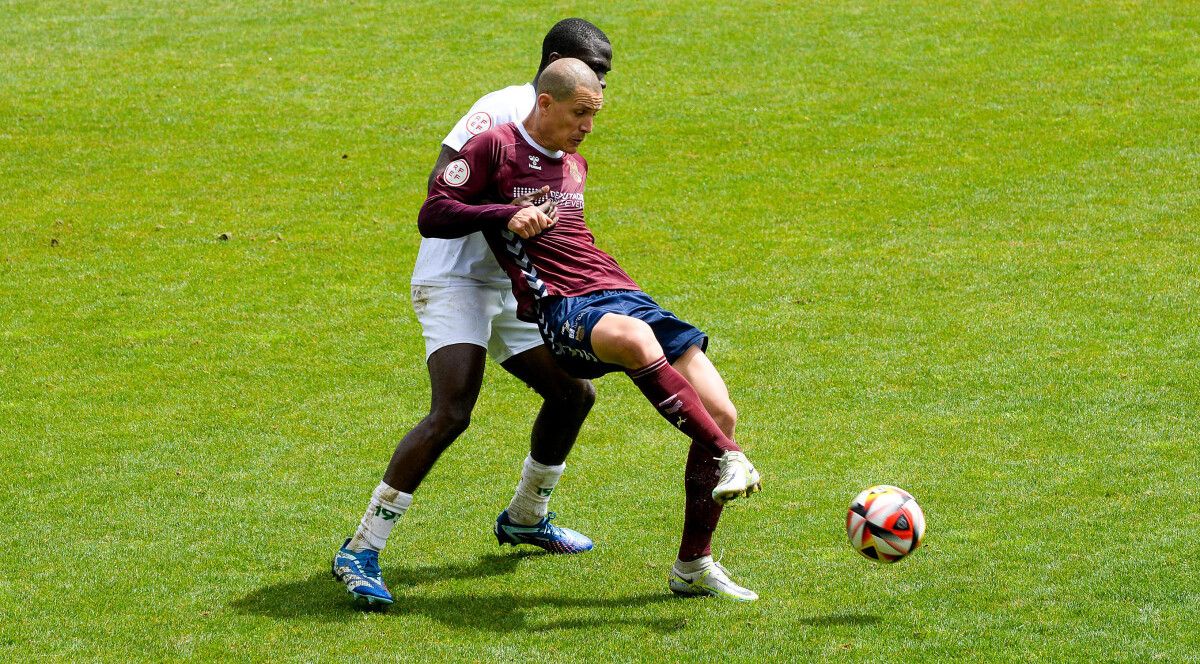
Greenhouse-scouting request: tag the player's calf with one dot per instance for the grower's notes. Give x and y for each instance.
(677, 401)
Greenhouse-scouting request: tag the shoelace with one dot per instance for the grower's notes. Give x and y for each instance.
(370, 566)
(550, 527)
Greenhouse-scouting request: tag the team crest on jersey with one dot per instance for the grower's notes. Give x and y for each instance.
(575, 174)
(456, 172)
(479, 123)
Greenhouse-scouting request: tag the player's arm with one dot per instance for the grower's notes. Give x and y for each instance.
(447, 155)
(444, 158)
(456, 205)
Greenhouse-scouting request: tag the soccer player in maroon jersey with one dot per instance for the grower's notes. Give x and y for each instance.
(591, 314)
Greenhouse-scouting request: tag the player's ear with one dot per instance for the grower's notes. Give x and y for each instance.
(543, 101)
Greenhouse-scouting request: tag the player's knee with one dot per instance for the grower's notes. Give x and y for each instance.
(581, 396)
(449, 423)
(639, 334)
(574, 396)
(634, 342)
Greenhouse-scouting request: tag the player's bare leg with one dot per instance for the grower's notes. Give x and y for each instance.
(455, 376)
(695, 573)
(737, 476)
(629, 342)
(565, 403)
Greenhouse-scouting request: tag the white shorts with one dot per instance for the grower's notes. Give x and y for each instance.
(482, 315)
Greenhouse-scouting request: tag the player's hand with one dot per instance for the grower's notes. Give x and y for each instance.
(548, 207)
(530, 220)
(528, 199)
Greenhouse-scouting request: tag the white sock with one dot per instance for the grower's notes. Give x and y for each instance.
(529, 502)
(692, 566)
(385, 509)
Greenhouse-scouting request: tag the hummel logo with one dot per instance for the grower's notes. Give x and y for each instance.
(533, 162)
(545, 490)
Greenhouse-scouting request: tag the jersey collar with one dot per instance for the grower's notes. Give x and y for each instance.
(557, 154)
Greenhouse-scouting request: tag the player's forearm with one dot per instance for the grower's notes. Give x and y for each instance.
(444, 217)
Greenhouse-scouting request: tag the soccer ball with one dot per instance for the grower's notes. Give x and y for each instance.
(885, 523)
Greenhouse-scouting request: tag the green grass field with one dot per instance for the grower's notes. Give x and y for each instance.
(945, 245)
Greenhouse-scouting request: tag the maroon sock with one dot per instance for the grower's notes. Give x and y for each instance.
(677, 400)
(700, 512)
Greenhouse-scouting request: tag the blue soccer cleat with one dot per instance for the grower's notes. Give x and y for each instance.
(542, 534)
(359, 572)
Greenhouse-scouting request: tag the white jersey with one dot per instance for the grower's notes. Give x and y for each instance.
(468, 261)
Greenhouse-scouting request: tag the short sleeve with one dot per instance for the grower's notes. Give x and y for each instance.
(479, 119)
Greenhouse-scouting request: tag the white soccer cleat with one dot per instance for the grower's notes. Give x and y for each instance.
(738, 478)
(711, 580)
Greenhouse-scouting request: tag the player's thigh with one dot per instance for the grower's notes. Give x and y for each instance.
(455, 378)
(454, 315)
(537, 368)
(511, 336)
(456, 324)
(704, 377)
(624, 340)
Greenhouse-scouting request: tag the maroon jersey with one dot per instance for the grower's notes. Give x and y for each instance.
(474, 191)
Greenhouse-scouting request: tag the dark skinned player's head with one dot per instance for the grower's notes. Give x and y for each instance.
(576, 38)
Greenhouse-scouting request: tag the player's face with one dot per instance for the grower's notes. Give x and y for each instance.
(569, 121)
(597, 55)
(599, 58)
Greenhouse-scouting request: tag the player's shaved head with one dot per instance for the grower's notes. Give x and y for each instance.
(564, 77)
(569, 94)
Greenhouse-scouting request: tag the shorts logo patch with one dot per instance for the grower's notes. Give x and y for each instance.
(456, 172)
(478, 123)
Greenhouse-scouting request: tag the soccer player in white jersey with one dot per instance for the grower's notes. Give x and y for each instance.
(467, 310)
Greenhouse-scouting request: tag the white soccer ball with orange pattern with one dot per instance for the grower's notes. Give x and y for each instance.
(885, 523)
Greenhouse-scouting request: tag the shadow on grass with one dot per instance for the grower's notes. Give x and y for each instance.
(321, 598)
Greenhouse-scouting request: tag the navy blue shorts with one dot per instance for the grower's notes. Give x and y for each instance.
(570, 321)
